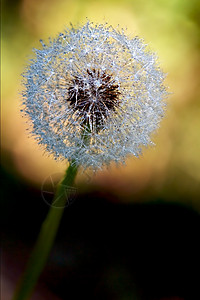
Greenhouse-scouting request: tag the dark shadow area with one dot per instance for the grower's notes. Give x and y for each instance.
(105, 250)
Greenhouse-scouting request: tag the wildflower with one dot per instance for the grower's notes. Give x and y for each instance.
(94, 82)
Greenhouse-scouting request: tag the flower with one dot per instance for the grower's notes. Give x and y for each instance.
(93, 95)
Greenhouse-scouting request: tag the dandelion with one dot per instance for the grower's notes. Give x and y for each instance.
(97, 80)
(93, 95)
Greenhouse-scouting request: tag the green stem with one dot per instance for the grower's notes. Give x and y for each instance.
(46, 237)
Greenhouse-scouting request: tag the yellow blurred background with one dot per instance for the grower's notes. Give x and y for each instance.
(171, 170)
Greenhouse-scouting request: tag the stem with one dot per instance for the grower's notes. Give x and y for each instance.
(46, 237)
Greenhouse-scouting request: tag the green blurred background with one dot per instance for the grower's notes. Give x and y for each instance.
(171, 170)
(128, 222)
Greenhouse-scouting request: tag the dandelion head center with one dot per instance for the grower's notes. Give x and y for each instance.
(94, 97)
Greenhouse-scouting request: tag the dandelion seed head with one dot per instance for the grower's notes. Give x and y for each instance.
(95, 79)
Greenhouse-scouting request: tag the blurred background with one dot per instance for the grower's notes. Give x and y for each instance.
(132, 231)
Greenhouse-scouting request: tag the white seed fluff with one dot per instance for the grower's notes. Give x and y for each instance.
(93, 77)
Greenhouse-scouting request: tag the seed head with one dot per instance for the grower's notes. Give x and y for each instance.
(93, 79)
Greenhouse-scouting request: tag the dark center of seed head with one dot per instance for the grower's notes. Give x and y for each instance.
(93, 98)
